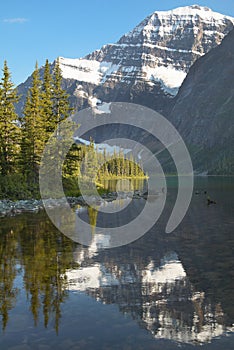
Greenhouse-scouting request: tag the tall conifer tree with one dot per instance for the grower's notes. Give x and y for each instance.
(61, 111)
(33, 131)
(47, 100)
(9, 130)
(61, 107)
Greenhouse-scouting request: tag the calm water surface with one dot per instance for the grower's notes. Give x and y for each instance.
(164, 291)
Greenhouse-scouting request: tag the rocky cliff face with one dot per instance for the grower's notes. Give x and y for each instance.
(204, 109)
(147, 65)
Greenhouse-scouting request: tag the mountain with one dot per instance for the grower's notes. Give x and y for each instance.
(203, 110)
(147, 65)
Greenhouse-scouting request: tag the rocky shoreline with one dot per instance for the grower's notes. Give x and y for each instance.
(11, 208)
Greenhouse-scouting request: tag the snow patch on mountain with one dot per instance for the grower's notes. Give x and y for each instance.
(80, 69)
(169, 77)
(98, 106)
(98, 72)
(89, 71)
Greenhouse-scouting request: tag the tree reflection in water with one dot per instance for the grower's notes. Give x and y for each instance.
(8, 272)
(44, 255)
(155, 279)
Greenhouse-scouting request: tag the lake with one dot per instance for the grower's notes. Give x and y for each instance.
(163, 291)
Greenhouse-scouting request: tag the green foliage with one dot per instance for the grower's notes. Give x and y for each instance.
(72, 163)
(117, 165)
(9, 130)
(89, 167)
(70, 186)
(61, 107)
(15, 187)
(47, 100)
(93, 167)
(22, 140)
(33, 131)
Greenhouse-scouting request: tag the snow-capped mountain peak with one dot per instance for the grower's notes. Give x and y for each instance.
(160, 25)
(148, 64)
(194, 10)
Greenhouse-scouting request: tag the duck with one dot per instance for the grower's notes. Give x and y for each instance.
(210, 201)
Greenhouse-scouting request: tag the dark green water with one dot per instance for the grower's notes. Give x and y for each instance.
(164, 291)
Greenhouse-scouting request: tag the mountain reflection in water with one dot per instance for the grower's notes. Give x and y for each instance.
(177, 287)
(159, 296)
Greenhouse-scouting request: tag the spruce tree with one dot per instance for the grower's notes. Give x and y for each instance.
(33, 130)
(9, 129)
(61, 107)
(131, 165)
(47, 100)
(105, 165)
(61, 110)
(91, 167)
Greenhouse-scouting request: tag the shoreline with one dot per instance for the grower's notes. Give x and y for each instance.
(9, 208)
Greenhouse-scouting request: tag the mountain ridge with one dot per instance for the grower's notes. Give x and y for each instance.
(148, 64)
(203, 109)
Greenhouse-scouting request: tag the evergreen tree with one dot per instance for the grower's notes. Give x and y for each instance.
(131, 166)
(118, 164)
(61, 107)
(9, 130)
(113, 163)
(105, 165)
(91, 162)
(126, 167)
(71, 166)
(33, 131)
(47, 100)
(56, 101)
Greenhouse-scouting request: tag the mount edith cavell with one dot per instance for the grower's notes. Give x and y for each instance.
(173, 63)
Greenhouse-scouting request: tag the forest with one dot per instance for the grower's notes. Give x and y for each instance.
(23, 139)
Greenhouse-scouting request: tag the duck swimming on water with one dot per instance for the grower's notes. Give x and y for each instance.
(210, 201)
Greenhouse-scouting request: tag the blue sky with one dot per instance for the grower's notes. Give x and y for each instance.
(33, 30)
